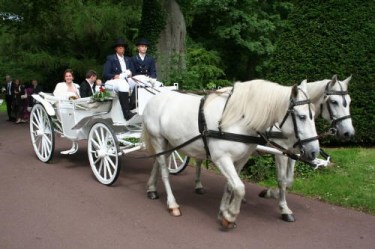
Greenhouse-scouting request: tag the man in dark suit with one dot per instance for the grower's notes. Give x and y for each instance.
(87, 87)
(117, 69)
(9, 96)
(144, 64)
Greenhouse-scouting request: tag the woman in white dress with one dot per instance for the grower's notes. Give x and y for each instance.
(67, 89)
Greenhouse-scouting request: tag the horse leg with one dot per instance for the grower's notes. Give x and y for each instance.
(152, 181)
(173, 207)
(233, 194)
(228, 194)
(198, 173)
(285, 168)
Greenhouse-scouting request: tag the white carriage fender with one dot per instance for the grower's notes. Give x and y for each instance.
(48, 106)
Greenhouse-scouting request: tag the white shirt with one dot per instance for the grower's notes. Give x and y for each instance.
(142, 56)
(122, 63)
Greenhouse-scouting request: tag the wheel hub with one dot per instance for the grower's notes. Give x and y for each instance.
(102, 152)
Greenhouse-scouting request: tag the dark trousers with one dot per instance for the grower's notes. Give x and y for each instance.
(9, 100)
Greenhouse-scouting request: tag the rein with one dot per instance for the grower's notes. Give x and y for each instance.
(291, 111)
(260, 140)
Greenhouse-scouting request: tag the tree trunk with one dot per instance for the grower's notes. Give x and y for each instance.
(171, 43)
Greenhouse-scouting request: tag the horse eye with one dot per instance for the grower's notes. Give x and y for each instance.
(302, 117)
(334, 102)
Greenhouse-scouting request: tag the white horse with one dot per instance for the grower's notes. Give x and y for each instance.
(171, 119)
(331, 101)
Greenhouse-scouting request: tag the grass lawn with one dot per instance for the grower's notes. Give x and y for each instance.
(3, 107)
(349, 182)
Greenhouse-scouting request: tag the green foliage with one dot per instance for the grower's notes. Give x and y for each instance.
(326, 38)
(153, 22)
(53, 36)
(259, 169)
(203, 70)
(243, 32)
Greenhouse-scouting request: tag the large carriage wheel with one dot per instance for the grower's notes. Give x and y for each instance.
(177, 162)
(103, 151)
(42, 134)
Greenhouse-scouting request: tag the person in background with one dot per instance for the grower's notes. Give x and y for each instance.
(117, 72)
(34, 89)
(98, 84)
(67, 89)
(17, 103)
(9, 96)
(144, 64)
(87, 87)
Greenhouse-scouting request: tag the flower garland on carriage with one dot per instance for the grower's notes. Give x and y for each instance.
(102, 95)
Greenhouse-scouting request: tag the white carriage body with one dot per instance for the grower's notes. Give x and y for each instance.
(73, 118)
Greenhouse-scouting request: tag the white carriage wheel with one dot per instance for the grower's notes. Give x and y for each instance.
(177, 162)
(42, 133)
(103, 152)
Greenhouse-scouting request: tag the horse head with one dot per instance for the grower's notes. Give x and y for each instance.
(336, 108)
(299, 120)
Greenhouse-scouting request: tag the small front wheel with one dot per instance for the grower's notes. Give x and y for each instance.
(177, 162)
(42, 133)
(103, 152)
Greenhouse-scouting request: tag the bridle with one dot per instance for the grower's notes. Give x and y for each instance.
(291, 111)
(334, 121)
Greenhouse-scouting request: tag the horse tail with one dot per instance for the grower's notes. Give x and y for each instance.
(146, 140)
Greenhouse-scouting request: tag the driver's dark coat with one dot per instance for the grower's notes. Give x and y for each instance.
(145, 67)
(112, 66)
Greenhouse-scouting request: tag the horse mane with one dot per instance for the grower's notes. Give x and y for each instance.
(316, 89)
(257, 104)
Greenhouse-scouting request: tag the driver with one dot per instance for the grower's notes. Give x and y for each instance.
(117, 71)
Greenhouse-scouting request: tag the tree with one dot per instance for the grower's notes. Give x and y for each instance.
(51, 36)
(242, 31)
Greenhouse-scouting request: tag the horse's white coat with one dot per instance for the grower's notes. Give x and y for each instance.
(171, 119)
(285, 165)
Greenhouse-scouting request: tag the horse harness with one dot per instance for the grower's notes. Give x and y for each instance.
(262, 139)
(334, 120)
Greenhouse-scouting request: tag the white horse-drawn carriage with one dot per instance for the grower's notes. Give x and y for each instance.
(225, 126)
(109, 135)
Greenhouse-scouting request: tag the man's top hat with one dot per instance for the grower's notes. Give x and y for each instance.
(120, 42)
(142, 41)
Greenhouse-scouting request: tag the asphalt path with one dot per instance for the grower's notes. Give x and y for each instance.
(61, 205)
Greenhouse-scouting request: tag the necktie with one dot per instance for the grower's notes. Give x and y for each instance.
(93, 88)
(9, 88)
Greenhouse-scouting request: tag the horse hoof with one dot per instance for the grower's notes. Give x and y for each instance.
(199, 191)
(288, 217)
(227, 225)
(263, 193)
(175, 212)
(153, 195)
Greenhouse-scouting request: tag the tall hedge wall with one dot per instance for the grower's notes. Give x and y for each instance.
(332, 37)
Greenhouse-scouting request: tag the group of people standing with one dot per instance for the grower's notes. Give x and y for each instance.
(18, 99)
(117, 71)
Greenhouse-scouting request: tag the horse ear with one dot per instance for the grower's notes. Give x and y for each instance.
(347, 80)
(303, 84)
(333, 80)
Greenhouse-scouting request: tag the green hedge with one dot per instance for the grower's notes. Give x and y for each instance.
(332, 37)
